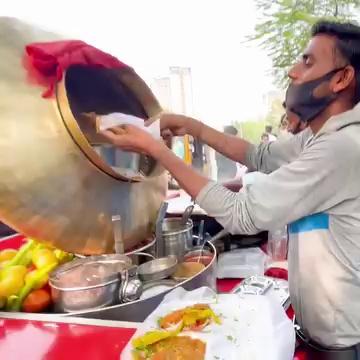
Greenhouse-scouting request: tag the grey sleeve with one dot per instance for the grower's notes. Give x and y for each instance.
(310, 184)
(268, 158)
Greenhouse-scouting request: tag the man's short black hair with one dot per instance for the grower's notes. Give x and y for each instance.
(231, 130)
(347, 44)
(268, 129)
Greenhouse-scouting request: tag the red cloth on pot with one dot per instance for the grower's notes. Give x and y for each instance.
(47, 61)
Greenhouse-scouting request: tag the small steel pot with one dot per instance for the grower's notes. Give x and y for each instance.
(177, 237)
(94, 282)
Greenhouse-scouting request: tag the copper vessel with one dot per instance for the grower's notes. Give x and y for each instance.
(60, 182)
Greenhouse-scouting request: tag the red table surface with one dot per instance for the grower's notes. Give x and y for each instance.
(38, 340)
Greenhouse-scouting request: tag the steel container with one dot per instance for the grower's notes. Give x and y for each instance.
(177, 237)
(140, 309)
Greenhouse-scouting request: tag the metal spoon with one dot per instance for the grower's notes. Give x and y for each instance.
(187, 213)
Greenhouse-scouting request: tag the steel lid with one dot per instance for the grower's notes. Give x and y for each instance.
(89, 272)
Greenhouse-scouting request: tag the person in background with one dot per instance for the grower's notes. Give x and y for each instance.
(265, 138)
(268, 130)
(226, 168)
(284, 133)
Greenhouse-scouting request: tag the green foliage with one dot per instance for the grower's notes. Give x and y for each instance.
(284, 27)
(252, 129)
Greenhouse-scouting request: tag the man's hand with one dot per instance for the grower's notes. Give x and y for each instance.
(177, 125)
(131, 138)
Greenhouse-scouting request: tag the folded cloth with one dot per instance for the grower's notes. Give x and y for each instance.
(47, 61)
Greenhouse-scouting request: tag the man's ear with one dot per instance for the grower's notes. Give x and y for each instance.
(343, 79)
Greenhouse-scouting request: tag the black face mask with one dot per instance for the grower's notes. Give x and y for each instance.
(300, 98)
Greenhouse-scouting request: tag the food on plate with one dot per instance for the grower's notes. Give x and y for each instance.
(37, 301)
(25, 272)
(187, 270)
(193, 318)
(167, 344)
(152, 337)
(174, 348)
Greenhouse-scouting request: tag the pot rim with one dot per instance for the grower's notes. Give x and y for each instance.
(55, 280)
(82, 288)
(188, 227)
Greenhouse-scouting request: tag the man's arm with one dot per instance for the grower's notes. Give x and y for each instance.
(264, 158)
(308, 185)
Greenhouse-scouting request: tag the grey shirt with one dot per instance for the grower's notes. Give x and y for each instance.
(310, 183)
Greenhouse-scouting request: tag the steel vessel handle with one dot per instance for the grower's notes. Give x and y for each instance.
(160, 245)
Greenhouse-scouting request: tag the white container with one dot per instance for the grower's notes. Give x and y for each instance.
(241, 263)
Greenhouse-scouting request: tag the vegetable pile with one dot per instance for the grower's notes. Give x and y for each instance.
(24, 276)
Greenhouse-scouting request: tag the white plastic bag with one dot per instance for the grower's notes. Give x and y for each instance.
(253, 327)
(105, 122)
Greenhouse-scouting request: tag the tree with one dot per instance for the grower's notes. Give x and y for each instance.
(252, 129)
(283, 30)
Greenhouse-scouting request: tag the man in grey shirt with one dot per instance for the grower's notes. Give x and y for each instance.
(310, 182)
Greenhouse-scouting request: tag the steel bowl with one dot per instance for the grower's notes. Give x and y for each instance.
(157, 269)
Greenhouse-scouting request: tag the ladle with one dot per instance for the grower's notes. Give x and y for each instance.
(160, 245)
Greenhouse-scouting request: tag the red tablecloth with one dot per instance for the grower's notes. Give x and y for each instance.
(38, 340)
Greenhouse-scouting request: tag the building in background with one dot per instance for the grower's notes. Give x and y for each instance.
(175, 93)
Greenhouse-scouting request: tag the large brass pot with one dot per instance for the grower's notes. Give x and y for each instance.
(54, 185)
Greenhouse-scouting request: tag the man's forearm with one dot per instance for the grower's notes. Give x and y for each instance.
(230, 146)
(188, 179)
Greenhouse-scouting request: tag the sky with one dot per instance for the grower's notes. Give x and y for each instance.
(230, 76)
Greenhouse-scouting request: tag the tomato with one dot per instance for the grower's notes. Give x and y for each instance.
(37, 301)
(171, 319)
(7, 254)
(40, 283)
(199, 325)
(12, 280)
(43, 257)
